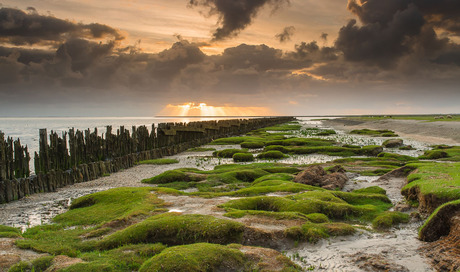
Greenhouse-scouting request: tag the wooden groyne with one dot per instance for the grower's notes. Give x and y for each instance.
(79, 156)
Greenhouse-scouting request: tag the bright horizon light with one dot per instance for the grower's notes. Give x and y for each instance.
(202, 109)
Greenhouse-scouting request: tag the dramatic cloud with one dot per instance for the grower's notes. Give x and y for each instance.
(20, 28)
(394, 29)
(234, 15)
(286, 35)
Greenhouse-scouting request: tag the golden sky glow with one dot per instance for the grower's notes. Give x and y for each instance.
(201, 109)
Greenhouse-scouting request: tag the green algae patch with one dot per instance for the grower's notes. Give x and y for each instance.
(335, 205)
(374, 133)
(53, 239)
(36, 265)
(243, 157)
(197, 257)
(317, 218)
(125, 258)
(175, 229)
(228, 153)
(252, 145)
(388, 219)
(232, 213)
(109, 205)
(177, 175)
(200, 149)
(433, 184)
(442, 153)
(398, 157)
(434, 155)
(279, 148)
(9, 232)
(371, 150)
(312, 232)
(274, 155)
(283, 127)
(371, 190)
(159, 161)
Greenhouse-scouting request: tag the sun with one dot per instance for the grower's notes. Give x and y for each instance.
(202, 109)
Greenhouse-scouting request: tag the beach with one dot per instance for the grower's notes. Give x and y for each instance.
(440, 132)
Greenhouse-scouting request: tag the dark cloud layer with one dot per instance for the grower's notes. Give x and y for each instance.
(395, 45)
(20, 28)
(286, 34)
(394, 29)
(234, 15)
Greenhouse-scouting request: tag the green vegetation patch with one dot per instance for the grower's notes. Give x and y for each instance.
(389, 219)
(374, 133)
(109, 205)
(228, 153)
(176, 175)
(271, 155)
(252, 145)
(9, 232)
(200, 149)
(441, 180)
(371, 150)
(312, 232)
(397, 157)
(443, 153)
(159, 161)
(197, 257)
(371, 190)
(37, 265)
(335, 205)
(283, 127)
(243, 157)
(174, 229)
(125, 258)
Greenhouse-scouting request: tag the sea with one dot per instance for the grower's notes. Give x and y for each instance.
(27, 128)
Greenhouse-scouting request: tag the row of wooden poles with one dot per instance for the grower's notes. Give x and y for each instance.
(79, 150)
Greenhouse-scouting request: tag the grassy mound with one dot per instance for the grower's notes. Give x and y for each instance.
(228, 153)
(197, 257)
(100, 207)
(335, 205)
(433, 184)
(37, 265)
(374, 133)
(243, 157)
(174, 229)
(271, 155)
(252, 145)
(313, 232)
(125, 258)
(9, 232)
(389, 219)
(159, 161)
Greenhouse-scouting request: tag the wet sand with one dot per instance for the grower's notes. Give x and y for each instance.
(441, 132)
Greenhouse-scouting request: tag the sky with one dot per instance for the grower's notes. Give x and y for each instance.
(230, 57)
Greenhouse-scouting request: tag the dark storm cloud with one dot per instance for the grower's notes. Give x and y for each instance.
(286, 34)
(234, 15)
(393, 29)
(20, 28)
(27, 55)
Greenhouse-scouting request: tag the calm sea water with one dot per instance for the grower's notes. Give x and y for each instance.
(26, 129)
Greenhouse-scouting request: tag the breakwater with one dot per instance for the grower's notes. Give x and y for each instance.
(79, 156)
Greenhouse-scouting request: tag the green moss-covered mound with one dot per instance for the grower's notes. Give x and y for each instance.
(433, 184)
(252, 145)
(243, 157)
(174, 229)
(274, 154)
(374, 133)
(228, 153)
(159, 161)
(196, 257)
(389, 219)
(109, 205)
(9, 232)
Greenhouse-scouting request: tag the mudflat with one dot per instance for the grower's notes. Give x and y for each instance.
(439, 132)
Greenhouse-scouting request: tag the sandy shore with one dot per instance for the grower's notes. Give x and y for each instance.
(428, 132)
